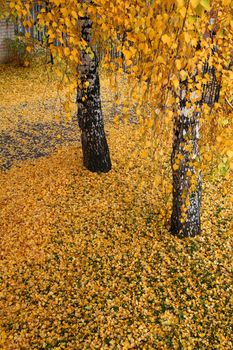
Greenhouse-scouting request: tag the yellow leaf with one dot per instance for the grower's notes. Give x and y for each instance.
(178, 64)
(166, 39)
(183, 12)
(187, 37)
(144, 154)
(116, 119)
(205, 4)
(194, 3)
(66, 51)
(230, 153)
(175, 83)
(180, 3)
(74, 14)
(157, 180)
(183, 75)
(175, 167)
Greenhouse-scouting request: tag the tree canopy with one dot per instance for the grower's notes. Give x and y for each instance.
(162, 42)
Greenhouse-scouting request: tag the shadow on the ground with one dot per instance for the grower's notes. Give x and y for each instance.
(30, 141)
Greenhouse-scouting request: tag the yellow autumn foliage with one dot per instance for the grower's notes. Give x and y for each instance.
(87, 260)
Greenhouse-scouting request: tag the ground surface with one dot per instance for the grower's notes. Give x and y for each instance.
(87, 260)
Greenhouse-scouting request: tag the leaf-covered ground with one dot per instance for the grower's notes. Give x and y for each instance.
(87, 260)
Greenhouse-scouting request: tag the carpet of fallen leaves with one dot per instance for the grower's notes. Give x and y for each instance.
(87, 260)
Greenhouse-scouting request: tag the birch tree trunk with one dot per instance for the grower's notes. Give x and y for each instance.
(96, 157)
(187, 181)
(185, 221)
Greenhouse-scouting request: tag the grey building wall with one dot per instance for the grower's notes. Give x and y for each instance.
(7, 30)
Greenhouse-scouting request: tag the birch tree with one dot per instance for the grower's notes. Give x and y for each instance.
(96, 155)
(186, 209)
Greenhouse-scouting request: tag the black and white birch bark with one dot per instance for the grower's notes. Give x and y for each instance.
(187, 179)
(185, 221)
(96, 156)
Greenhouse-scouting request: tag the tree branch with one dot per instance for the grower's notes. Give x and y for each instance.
(228, 102)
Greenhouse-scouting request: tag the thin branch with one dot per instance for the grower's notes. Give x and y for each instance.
(228, 102)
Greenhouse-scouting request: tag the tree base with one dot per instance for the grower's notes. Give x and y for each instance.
(96, 156)
(183, 230)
